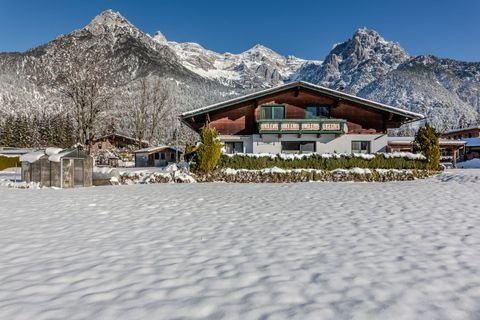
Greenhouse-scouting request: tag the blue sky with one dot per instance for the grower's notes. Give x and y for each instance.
(306, 29)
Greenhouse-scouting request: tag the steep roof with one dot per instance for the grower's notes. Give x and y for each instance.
(413, 116)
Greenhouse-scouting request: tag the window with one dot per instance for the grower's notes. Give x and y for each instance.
(233, 147)
(360, 146)
(276, 111)
(157, 156)
(317, 112)
(162, 155)
(172, 156)
(99, 145)
(298, 146)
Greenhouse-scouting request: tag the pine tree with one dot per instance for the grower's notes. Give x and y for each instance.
(426, 142)
(209, 151)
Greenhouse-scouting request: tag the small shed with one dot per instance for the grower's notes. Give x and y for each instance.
(55, 167)
(159, 156)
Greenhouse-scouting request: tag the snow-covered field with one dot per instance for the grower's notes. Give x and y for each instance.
(405, 250)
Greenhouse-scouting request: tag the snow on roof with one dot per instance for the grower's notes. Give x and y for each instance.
(54, 154)
(400, 140)
(52, 151)
(32, 156)
(15, 152)
(413, 115)
(472, 142)
(56, 157)
(157, 148)
(477, 127)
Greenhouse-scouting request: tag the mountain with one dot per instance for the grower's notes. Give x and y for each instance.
(355, 63)
(447, 91)
(258, 67)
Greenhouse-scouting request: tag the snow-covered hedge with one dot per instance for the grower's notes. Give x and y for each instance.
(396, 160)
(276, 174)
(8, 162)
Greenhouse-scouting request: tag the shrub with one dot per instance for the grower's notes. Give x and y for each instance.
(378, 161)
(426, 142)
(209, 150)
(8, 162)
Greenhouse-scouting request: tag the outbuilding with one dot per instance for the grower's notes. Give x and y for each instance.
(55, 167)
(159, 156)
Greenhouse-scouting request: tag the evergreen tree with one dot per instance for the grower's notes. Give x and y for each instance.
(7, 136)
(209, 151)
(426, 142)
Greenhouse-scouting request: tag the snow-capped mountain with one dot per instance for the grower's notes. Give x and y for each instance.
(258, 67)
(355, 63)
(447, 91)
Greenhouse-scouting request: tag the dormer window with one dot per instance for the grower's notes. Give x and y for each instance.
(317, 112)
(272, 111)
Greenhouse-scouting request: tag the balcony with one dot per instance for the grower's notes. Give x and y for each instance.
(280, 126)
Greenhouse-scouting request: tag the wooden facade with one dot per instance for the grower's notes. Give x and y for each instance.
(463, 133)
(116, 141)
(239, 118)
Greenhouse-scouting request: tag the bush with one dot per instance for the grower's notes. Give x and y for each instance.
(426, 142)
(378, 161)
(209, 150)
(9, 162)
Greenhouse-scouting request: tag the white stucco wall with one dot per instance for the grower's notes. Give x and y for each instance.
(343, 144)
(326, 143)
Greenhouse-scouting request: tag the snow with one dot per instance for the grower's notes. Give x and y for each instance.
(52, 151)
(474, 163)
(11, 174)
(32, 156)
(243, 251)
(59, 155)
(365, 171)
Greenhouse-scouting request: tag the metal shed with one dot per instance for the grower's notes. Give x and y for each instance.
(55, 167)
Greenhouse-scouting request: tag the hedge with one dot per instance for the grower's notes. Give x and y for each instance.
(8, 162)
(317, 161)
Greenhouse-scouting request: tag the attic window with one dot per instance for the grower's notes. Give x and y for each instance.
(272, 111)
(317, 111)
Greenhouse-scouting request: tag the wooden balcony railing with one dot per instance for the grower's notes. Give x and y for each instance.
(302, 126)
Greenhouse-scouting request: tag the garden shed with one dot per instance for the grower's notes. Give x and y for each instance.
(160, 156)
(55, 167)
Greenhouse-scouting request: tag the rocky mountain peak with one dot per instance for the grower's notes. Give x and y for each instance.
(355, 63)
(159, 37)
(259, 51)
(110, 21)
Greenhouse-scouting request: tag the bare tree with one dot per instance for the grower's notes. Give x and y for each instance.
(85, 84)
(149, 108)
